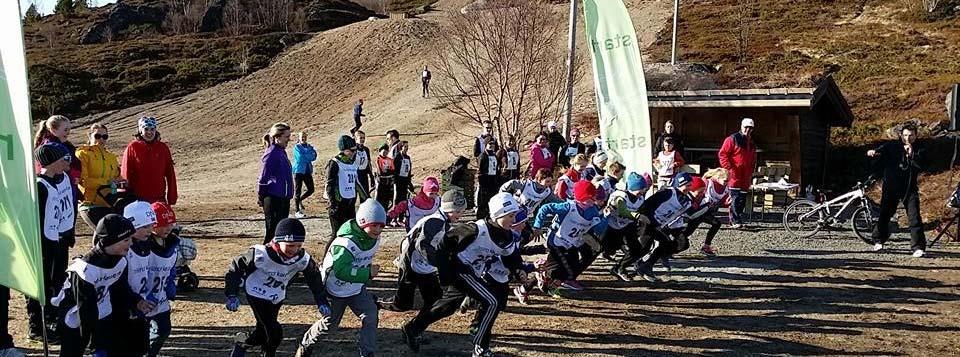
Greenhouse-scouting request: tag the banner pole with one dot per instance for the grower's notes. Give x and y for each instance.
(676, 19)
(571, 57)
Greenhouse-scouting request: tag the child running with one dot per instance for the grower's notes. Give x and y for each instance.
(565, 184)
(264, 272)
(347, 269)
(665, 210)
(463, 257)
(425, 203)
(531, 193)
(625, 221)
(84, 301)
(705, 207)
(595, 168)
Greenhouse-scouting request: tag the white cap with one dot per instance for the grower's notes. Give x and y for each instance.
(140, 214)
(503, 204)
(599, 158)
(552, 124)
(746, 122)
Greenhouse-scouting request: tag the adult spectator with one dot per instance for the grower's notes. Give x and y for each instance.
(540, 156)
(56, 129)
(480, 143)
(571, 149)
(304, 155)
(670, 132)
(425, 78)
(357, 114)
(739, 155)
(148, 166)
(901, 163)
(276, 179)
(555, 137)
(99, 176)
(392, 145)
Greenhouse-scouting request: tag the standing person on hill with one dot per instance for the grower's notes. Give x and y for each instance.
(738, 156)
(342, 184)
(386, 174)
(403, 184)
(303, 156)
(510, 159)
(56, 130)
(571, 149)
(488, 178)
(670, 132)
(425, 78)
(365, 175)
(99, 176)
(901, 163)
(555, 137)
(541, 157)
(56, 204)
(357, 114)
(275, 187)
(148, 166)
(485, 137)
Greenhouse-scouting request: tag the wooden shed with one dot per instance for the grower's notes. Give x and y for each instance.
(792, 124)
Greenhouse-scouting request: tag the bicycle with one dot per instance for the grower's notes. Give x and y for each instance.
(804, 218)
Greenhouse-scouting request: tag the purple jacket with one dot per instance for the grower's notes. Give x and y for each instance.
(276, 177)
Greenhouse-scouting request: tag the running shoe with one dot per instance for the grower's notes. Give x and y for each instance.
(620, 274)
(521, 294)
(554, 292)
(918, 253)
(708, 251)
(542, 281)
(410, 339)
(571, 285)
(878, 247)
(299, 214)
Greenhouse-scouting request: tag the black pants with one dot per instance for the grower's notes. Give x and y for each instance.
(407, 285)
(888, 205)
(501, 291)
(6, 341)
(268, 333)
(655, 245)
(401, 187)
(356, 124)
(487, 188)
(363, 181)
(709, 218)
(385, 192)
(340, 212)
(93, 214)
(74, 341)
(426, 87)
(131, 337)
(55, 256)
(626, 238)
(299, 181)
(464, 285)
(275, 209)
(563, 263)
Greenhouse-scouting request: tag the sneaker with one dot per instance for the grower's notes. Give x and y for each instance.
(620, 274)
(11, 352)
(304, 351)
(571, 285)
(410, 339)
(482, 352)
(542, 281)
(918, 253)
(708, 251)
(521, 294)
(299, 214)
(649, 277)
(877, 247)
(736, 225)
(554, 292)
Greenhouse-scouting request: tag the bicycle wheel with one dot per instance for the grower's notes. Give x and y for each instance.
(863, 222)
(797, 221)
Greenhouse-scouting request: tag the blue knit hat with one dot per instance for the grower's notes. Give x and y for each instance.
(635, 182)
(290, 230)
(682, 179)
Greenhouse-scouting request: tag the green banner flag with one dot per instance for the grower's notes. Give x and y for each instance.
(620, 85)
(21, 263)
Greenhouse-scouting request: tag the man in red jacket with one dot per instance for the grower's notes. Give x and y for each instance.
(739, 156)
(148, 166)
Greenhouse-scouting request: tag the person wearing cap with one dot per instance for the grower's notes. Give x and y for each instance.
(135, 297)
(84, 302)
(423, 204)
(365, 177)
(264, 272)
(403, 182)
(347, 269)
(595, 167)
(625, 222)
(342, 184)
(304, 155)
(147, 165)
(706, 203)
(488, 177)
(571, 149)
(541, 157)
(162, 274)
(416, 272)
(555, 137)
(665, 210)
(57, 220)
(532, 192)
(99, 177)
(738, 156)
(572, 238)
(275, 186)
(486, 136)
(462, 258)
(509, 158)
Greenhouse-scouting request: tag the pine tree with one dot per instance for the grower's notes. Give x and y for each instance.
(81, 5)
(32, 14)
(64, 7)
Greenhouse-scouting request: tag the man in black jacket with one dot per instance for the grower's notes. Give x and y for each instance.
(901, 163)
(555, 138)
(571, 149)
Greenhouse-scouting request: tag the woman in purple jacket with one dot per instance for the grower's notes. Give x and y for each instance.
(275, 188)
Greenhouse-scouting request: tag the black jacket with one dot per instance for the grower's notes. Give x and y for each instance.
(556, 141)
(243, 265)
(84, 296)
(458, 239)
(677, 142)
(899, 171)
(564, 158)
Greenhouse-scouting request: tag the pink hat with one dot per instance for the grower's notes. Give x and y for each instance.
(431, 185)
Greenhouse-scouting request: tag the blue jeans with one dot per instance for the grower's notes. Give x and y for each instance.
(159, 331)
(739, 199)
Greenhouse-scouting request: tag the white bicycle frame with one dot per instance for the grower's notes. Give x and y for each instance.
(849, 197)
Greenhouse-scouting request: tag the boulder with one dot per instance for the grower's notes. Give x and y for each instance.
(213, 17)
(323, 15)
(121, 17)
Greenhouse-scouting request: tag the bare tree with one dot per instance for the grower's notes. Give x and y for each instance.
(507, 65)
(184, 16)
(744, 19)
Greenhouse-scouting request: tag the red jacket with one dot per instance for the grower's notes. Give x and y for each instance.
(739, 156)
(148, 169)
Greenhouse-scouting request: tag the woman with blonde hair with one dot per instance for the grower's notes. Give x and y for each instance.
(275, 187)
(99, 176)
(56, 129)
(706, 204)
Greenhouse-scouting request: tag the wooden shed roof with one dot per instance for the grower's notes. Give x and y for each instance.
(826, 99)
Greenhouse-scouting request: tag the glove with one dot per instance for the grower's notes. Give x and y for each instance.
(99, 353)
(233, 303)
(324, 310)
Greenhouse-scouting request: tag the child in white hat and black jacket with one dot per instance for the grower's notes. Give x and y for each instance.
(266, 271)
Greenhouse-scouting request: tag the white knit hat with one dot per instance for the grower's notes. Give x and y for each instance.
(140, 214)
(503, 204)
(371, 212)
(599, 158)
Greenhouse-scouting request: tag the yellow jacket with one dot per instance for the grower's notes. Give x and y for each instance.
(97, 168)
